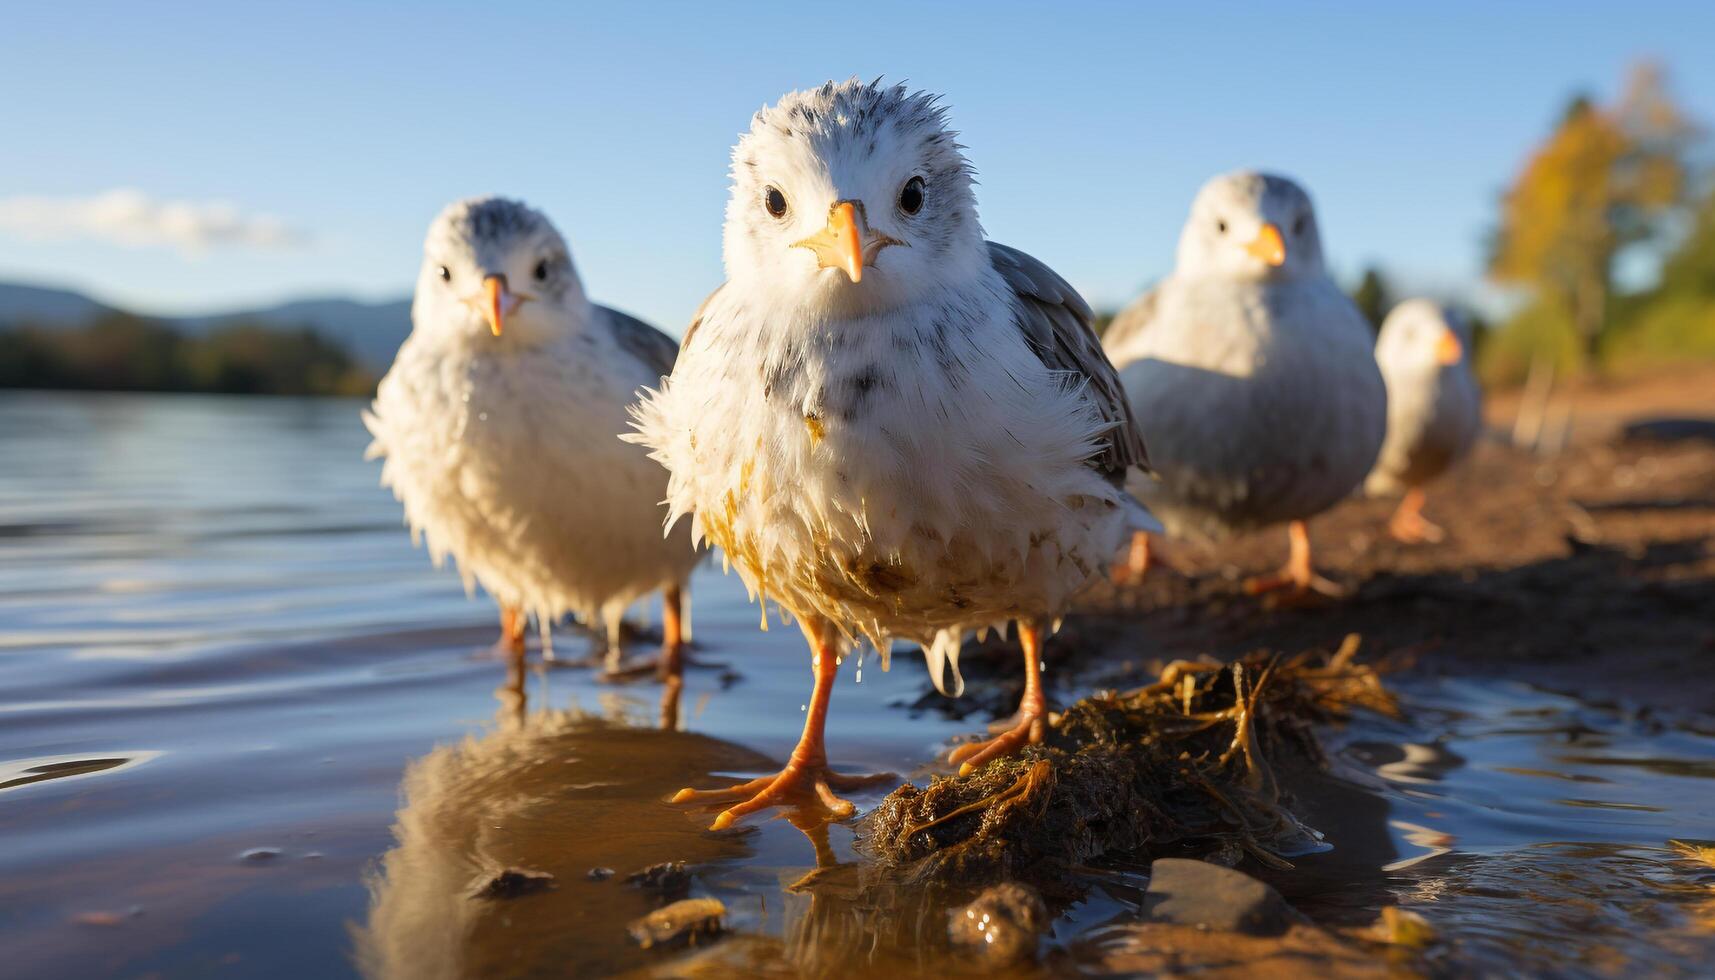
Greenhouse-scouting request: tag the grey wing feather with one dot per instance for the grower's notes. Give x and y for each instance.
(1059, 326)
(652, 347)
(1130, 323)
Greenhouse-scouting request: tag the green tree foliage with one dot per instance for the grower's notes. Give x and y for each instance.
(121, 352)
(1676, 319)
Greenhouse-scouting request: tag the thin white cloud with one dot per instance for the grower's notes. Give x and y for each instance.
(134, 219)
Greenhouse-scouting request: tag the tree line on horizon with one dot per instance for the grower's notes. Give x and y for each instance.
(123, 352)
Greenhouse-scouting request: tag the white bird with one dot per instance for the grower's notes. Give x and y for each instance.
(1434, 408)
(1252, 375)
(891, 426)
(498, 420)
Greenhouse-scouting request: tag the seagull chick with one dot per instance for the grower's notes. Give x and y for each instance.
(891, 426)
(1252, 375)
(497, 423)
(1434, 408)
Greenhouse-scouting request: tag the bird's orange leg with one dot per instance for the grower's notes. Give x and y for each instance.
(671, 666)
(1136, 564)
(1297, 574)
(511, 640)
(806, 780)
(1409, 525)
(672, 661)
(511, 647)
(1032, 717)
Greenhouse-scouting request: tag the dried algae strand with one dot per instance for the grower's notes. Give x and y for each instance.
(1189, 757)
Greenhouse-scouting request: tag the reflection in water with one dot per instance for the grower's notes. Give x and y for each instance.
(566, 792)
(557, 792)
(1510, 867)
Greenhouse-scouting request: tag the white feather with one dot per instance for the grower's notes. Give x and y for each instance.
(1434, 410)
(893, 457)
(1256, 387)
(505, 450)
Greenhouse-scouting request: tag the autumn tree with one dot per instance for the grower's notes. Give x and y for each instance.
(1601, 183)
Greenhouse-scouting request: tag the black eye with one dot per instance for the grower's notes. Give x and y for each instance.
(1298, 225)
(1221, 226)
(911, 196)
(774, 201)
(542, 271)
(445, 273)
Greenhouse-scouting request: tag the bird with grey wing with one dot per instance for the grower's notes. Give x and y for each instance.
(1252, 376)
(497, 425)
(891, 427)
(1434, 409)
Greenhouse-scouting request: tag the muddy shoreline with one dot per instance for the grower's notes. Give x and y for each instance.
(1591, 572)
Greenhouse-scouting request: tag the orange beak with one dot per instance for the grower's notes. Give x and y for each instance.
(848, 246)
(847, 243)
(493, 303)
(1268, 246)
(1448, 350)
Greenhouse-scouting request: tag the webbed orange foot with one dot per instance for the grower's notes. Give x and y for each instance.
(798, 785)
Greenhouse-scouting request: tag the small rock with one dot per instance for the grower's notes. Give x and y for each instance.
(1400, 927)
(669, 880)
(1003, 925)
(515, 883)
(258, 855)
(599, 874)
(1196, 893)
(687, 922)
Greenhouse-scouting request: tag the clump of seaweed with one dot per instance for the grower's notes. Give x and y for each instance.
(1189, 757)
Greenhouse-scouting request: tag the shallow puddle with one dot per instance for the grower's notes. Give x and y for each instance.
(246, 728)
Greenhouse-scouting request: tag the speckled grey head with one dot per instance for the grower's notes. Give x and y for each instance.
(881, 150)
(1251, 225)
(496, 265)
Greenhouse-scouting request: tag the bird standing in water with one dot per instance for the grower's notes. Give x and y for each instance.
(892, 427)
(1434, 409)
(1252, 375)
(497, 424)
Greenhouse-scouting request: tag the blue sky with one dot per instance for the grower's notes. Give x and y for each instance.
(1090, 126)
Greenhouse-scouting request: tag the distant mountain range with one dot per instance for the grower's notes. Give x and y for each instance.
(370, 332)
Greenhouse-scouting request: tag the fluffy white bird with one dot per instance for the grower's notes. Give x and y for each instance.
(1434, 408)
(498, 422)
(1252, 375)
(891, 426)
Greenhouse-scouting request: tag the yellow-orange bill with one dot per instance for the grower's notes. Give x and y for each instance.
(494, 292)
(1268, 246)
(1448, 350)
(847, 244)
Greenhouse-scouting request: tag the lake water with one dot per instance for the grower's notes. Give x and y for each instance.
(246, 729)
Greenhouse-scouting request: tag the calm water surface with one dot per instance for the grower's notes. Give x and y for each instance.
(245, 729)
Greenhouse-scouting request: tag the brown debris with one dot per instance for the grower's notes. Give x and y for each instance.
(1187, 757)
